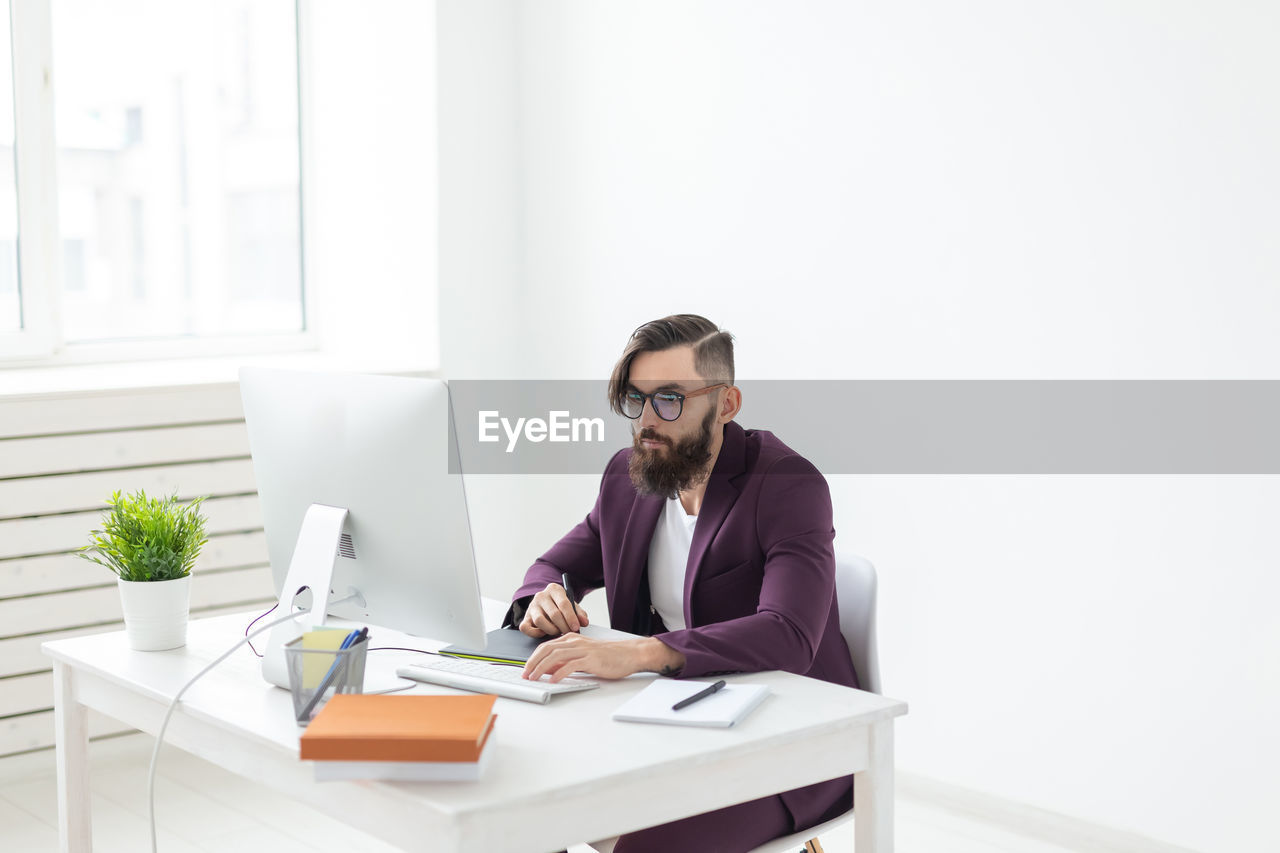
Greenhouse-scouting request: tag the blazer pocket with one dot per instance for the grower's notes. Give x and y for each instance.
(731, 594)
(729, 575)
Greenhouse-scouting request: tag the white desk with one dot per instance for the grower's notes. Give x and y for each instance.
(561, 773)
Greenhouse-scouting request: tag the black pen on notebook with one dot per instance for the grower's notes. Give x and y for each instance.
(701, 694)
(568, 588)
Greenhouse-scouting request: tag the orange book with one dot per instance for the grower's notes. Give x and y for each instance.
(378, 727)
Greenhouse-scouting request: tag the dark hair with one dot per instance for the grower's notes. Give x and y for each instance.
(712, 350)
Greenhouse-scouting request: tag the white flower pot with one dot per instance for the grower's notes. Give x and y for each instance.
(155, 613)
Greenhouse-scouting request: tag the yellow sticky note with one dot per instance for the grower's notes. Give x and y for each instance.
(314, 667)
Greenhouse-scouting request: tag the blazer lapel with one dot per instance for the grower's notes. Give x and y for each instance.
(722, 493)
(633, 559)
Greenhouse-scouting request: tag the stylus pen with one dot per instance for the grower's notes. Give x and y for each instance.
(568, 588)
(701, 694)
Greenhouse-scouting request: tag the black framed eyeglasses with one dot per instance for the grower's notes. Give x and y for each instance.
(667, 405)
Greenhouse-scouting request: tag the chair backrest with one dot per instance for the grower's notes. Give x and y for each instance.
(856, 600)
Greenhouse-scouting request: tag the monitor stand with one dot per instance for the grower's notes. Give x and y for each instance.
(311, 566)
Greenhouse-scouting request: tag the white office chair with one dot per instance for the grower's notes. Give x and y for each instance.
(856, 599)
(856, 596)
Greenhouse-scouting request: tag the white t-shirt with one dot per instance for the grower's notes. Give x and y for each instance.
(668, 560)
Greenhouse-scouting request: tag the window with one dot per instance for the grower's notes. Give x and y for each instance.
(168, 178)
(10, 295)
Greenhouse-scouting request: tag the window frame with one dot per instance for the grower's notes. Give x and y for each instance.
(39, 343)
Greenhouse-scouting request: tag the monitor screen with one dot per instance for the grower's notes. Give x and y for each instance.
(379, 448)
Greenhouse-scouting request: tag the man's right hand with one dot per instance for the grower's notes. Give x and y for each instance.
(551, 614)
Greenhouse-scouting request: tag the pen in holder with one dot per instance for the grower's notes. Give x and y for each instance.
(317, 674)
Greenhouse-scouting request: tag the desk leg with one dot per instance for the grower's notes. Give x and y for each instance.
(71, 727)
(873, 794)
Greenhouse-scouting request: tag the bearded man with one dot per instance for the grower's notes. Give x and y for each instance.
(712, 542)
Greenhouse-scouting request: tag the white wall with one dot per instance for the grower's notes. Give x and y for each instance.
(481, 251)
(982, 190)
(371, 218)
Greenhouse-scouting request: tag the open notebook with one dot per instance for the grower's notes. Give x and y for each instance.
(722, 709)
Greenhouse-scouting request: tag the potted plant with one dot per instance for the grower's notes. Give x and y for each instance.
(151, 545)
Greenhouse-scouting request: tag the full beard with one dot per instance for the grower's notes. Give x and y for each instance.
(683, 464)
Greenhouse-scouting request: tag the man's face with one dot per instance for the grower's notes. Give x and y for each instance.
(671, 456)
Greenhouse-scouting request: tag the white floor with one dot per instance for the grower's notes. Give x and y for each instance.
(201, 808)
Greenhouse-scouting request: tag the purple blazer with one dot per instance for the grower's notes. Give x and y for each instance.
(760, 584)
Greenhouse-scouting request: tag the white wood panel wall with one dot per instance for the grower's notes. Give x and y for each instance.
(61, 456)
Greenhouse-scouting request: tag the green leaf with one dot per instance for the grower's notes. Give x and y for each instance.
(148, 539)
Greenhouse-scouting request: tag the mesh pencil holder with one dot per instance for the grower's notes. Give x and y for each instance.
(317, 674)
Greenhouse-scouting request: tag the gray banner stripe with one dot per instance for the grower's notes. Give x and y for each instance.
(1071, 427)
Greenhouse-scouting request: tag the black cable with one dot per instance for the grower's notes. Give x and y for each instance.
(254, 622)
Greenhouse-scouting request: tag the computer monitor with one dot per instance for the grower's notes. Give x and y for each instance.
(359, 504)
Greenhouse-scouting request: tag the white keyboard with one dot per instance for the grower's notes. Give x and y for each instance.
(491, 678)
